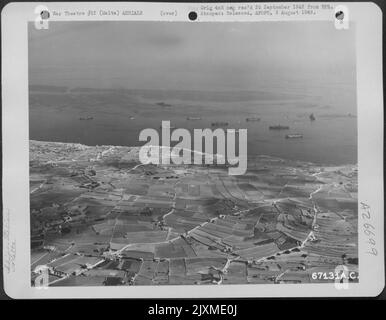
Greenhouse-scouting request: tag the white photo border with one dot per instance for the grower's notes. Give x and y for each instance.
(15, 132)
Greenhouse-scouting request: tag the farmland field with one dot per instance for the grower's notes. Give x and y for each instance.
(99, 217)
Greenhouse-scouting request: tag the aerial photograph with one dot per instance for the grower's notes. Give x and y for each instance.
(99, 216)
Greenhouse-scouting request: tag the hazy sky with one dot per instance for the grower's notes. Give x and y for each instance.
(188, 55)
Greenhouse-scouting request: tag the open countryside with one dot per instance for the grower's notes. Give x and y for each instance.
(99, 217)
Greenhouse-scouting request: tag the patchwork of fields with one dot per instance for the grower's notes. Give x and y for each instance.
(99, 217)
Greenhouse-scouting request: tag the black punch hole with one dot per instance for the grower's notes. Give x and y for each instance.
(45, 14)
(339, 15)
(192, 15)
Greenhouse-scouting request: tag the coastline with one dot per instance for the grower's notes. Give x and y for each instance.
(136, 148)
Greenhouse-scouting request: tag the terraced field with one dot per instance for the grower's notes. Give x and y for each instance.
(99, 217)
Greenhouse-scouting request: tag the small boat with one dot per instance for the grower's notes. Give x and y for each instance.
(163, 104)
(312, 117)
(279, 127)
(219, 123)
(252, 119)
(131, 118)
(294, 136)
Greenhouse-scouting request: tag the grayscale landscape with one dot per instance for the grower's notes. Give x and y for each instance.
(101, 217)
